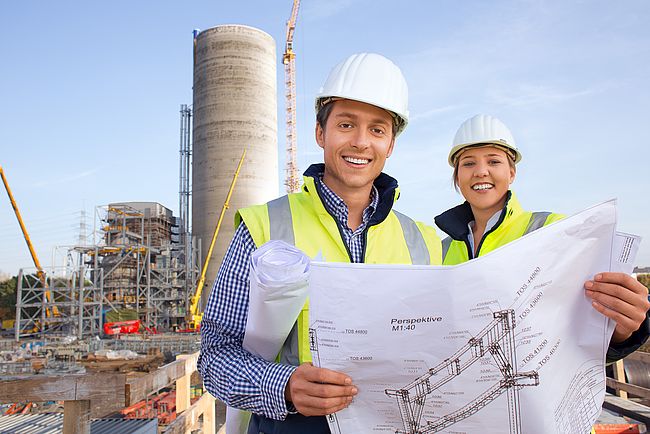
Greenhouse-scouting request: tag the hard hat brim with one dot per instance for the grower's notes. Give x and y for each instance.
(512, 152)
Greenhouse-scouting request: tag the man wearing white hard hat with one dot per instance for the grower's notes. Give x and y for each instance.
(344, 212)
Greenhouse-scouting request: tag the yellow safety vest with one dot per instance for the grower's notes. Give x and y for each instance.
(513, 224)
(301, 219)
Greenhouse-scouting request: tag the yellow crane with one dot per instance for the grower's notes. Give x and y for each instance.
(40, 273)
(194, 316)
(292, 180)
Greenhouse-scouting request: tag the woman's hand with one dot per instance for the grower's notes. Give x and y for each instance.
(621, 298)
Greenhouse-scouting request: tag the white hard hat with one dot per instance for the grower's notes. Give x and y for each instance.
(369, 78)
(483, 129)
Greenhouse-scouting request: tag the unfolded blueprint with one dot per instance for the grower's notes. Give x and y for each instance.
(507, 343)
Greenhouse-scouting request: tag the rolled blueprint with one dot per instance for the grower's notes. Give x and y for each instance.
(279, 279)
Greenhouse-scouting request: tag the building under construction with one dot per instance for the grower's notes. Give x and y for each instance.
(143, 259)
(147, 264)
(137, 266)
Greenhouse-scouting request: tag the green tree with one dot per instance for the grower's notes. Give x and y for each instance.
(644, 278)
(8, 298)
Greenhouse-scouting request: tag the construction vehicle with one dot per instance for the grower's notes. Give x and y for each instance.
(194, 315)
(122, 327)
(292, 180)
(40, 273)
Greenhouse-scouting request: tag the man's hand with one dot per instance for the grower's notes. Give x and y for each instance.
(621, 298)
(319, 391)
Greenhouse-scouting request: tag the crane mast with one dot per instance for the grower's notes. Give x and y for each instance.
(195, 316)
(292, 180)
(40, 273)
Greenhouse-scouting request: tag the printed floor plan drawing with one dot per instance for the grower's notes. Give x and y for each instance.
(497, 340)
(507, 343)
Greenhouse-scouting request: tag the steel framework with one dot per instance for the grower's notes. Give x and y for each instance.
(134, 263)
(185, 190)
(497, 340)
(77, 299)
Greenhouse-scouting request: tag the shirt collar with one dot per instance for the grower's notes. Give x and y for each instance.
(336, 206)
(492, 221)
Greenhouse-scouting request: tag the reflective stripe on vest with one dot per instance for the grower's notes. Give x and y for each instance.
(290, 348)
(446, 243)
(280, 220)
(414, 240)
(537, 220)
(281, 228)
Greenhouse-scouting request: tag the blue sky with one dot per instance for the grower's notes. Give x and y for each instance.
(91, 93)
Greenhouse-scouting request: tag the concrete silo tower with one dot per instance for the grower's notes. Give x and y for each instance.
(235, 106)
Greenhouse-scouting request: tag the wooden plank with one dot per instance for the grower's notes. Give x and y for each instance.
(629, 388)
(105, 391)
(76, 417)
(144, 364)
(62, 388)
(183, 387)
(619, 375)
(38, 388)
(138, 388)
(209, 419)
(627, 408)
(189, 418)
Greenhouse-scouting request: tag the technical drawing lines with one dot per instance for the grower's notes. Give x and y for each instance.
(497, 339)
(313, 346)
(582, 402)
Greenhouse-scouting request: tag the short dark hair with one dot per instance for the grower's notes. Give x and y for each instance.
(324, 113)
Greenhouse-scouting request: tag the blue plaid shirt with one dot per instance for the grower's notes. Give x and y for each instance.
(229, 372)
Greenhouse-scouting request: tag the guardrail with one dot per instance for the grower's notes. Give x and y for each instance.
(621, 386)
(620, 403)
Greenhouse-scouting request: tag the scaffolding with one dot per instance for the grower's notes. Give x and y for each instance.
(135, 262)
(68, 305)
(142, 258)
(145, 265)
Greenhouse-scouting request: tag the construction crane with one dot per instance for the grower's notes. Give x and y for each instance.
(292, 180)
(39, 270)
(194, 316)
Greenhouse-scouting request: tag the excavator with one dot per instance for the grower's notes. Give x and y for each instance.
(195, 316)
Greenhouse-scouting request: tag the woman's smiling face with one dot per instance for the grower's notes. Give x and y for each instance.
(484, 175)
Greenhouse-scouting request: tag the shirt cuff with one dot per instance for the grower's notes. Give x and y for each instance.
(623, 349)
(274, 382)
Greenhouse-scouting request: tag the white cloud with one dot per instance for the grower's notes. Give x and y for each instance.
(435, 112)
(65, 179)
(532, 94)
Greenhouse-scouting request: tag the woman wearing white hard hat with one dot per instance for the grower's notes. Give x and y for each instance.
(484, 157)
